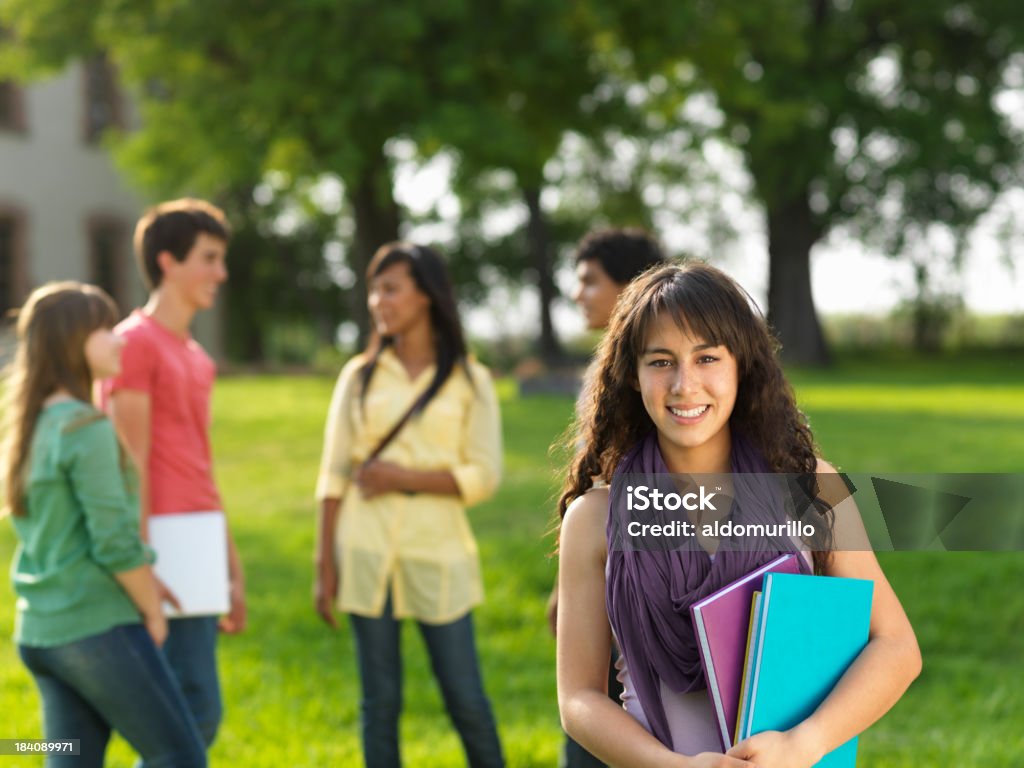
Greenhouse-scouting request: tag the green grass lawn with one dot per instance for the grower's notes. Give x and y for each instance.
(290, 683)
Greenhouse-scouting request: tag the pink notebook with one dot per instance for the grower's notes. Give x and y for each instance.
(721, 622)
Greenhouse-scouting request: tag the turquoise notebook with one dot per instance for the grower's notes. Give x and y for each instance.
(810, 629)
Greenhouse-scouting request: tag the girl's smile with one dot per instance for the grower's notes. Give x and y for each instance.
(689, 415)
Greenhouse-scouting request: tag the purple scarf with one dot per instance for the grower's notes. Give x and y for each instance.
(649, 592)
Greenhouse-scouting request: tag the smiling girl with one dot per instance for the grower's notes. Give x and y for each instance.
(689, 382)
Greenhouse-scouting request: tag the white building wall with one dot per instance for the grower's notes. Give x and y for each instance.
(60, 183)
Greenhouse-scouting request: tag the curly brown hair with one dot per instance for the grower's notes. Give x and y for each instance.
(709, 304)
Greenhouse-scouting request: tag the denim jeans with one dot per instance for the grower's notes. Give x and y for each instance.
(114, 680)
(191, 650)
(452, 651)
(575, 756)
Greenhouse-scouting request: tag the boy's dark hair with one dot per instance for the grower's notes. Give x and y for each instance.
(173, 226)
(623, 253)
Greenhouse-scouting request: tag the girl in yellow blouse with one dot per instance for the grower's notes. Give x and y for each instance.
(413, 436)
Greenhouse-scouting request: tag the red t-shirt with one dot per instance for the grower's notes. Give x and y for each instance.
(178, 375)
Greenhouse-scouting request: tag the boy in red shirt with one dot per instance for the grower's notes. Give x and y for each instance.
(160, 405)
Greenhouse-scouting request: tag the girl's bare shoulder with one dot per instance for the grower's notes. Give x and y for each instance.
(587, 515)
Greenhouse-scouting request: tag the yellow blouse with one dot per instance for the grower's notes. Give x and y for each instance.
(420, 546)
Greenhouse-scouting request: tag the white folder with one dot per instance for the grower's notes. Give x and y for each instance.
(192, 560)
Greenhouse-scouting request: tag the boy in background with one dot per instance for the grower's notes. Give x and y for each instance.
(607, 260)
(160, 406)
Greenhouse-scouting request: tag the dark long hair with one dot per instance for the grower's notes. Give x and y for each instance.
(52, 329)
(430, 274)
(711, 305)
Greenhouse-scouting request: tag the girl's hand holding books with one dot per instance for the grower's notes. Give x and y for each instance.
(779, 749)
(716, 760)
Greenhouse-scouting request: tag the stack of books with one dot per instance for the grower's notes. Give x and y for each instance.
(773, 645)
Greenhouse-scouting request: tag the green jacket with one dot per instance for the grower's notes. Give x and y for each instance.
(81, 527)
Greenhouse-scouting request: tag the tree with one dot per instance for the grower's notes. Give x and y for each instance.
(314, 86)
(280, 280)
(878, 116)
(532, 67)
(230, 86)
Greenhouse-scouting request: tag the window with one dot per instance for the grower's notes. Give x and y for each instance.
(102, 98)
(12, 107)
(11, 294)
(107, 254)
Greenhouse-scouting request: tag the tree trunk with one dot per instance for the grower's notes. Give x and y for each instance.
(377, 219)
(792, 232)
(242, 316)
(539, 240)
(243, 321)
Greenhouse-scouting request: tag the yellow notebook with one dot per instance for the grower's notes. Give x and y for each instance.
(755, 604)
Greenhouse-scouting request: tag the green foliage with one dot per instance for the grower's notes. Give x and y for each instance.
(322, 85)
(48, 32)
(314, 87)
(877, 116)
(530, 65)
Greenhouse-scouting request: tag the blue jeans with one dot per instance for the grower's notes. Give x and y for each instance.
(452, 651)
(114, 680)
(191, 650)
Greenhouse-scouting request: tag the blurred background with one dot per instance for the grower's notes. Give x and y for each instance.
(857, 164)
